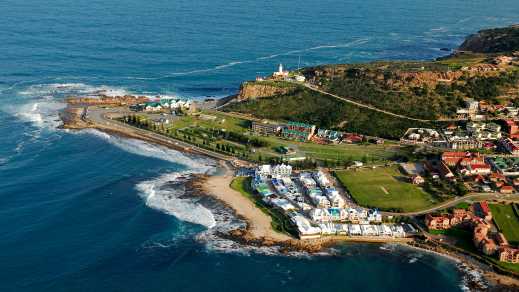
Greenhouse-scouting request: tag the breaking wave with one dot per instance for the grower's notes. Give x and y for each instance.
(196, 164)
(166, 193)
(472, 279)
(66, 89)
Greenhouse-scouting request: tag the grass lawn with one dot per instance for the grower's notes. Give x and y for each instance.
(221, 122)
(384, 188)
(200, 126)
(338, 152)
(507, 222)
(280, 222)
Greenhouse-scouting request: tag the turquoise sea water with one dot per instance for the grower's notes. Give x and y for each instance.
(92, 212)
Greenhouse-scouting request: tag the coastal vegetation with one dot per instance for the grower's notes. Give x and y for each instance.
(230, 135)
(324, 111)
(280, 222)
(384, 188)
(426, 90)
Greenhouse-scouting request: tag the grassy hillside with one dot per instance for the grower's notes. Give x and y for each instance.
(427, 90)
(326, 112)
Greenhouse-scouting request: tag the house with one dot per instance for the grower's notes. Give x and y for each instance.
(476, 169)
(445, 171)
(263, 171)
(354, 229)
(512, 129)
(282, 204)
(441, 222)
(304, 228)
(336, 200)
(338, 214)
(321, 179)
(494, 177)
(281, 171)
(509, 255)
(499, 184)
(265, 129)
(374, 216)
(298, 131)
(453, 158)
(319, 215)
(417, 179)
(351, 138)
(506, 189)
(488, 246)
(483, 211)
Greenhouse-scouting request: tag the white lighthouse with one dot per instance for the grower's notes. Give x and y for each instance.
(280, 73)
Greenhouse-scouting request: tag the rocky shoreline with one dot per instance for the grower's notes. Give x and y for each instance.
(196, 186)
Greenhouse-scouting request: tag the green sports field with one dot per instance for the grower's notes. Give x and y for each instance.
(507, 222)
(384, 188)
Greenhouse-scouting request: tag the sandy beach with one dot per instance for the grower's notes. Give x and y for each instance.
(259, 223)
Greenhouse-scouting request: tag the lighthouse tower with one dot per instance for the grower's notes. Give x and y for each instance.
(280, 73)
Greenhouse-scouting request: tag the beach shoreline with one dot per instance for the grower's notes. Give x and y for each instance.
(259, 231)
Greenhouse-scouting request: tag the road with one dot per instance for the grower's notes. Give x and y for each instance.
(104, 119)
(454, 202)
(313, 88)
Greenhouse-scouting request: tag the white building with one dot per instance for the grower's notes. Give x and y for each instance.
(328, 228)
(369, 230)
(280, 73)
(321, 179)
(336, 200)
(307, 180)
(282, 204)
(319, 215)
(263, 171)
(338, 214)
(304, 228)
(354, 229)
(281, 171)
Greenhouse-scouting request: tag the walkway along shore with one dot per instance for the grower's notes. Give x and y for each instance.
(218, 186)
(259, 230)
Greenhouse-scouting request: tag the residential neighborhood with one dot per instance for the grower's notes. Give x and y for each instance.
(317, 207)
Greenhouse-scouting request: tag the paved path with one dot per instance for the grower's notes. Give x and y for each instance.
(348, 100)
(454, 202)
(102, 119)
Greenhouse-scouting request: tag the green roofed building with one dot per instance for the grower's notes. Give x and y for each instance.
(298, 131)
(263, 189)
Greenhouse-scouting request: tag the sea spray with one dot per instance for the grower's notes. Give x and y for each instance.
(165, 193)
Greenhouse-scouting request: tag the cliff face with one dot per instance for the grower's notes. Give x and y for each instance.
(253, 90)
(495, 40)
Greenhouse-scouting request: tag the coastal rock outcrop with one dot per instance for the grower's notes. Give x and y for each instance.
(505, 39)
(252, 90)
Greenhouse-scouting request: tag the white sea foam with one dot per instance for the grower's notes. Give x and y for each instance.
(196, 164)
(164, 194)
(167, 192)
(472, 278)
(41, 113)
(64, 89)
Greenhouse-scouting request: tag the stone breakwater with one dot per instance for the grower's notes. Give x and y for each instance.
(104, 100)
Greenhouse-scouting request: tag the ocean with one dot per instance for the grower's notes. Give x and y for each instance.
(86, 211)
